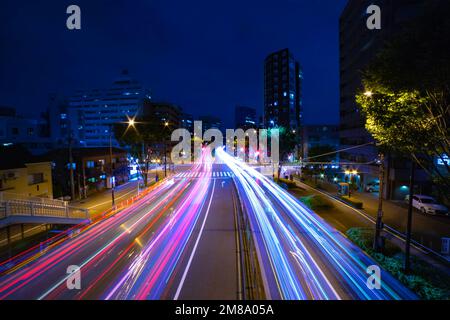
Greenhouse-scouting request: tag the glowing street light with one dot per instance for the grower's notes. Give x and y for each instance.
(368, 94)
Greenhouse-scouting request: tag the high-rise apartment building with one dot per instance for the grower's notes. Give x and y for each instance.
(282, 91)
(94, 112)
(245, 118)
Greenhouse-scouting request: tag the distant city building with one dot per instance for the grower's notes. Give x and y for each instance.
(245, 118)
(167, 113)
(315, 136)
(187, 122)
(24, 174)
(92, 167)
(211, 122)
(94, 112)
(282, 90)
(358, 46)
(28, 131)
(58, 117)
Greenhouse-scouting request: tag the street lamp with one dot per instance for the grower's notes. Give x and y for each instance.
(131, 123)
(368, 94)
(166, 125)
(112, 180)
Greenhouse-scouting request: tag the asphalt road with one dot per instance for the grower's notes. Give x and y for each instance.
(178, 241)
(303, 257)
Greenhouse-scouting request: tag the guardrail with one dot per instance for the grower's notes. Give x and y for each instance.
(252, 286)
(17, 207)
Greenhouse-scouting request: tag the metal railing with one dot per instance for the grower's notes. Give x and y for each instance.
(249, 266)
(17, 207)
(20, 196)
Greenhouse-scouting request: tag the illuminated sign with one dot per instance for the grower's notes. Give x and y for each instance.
(444, 158)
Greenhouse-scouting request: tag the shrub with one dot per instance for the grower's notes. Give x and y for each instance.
(353, 202)
(425, 281)
(286, 183)
(316, 202)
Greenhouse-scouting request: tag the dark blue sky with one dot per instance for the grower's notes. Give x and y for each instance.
(206, 56)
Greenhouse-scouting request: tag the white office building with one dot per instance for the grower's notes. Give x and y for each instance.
(94, 112)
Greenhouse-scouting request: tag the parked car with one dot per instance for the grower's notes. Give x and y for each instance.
(373, 186)
(427, 204)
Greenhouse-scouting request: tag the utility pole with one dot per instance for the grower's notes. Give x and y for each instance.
(165, 159)
(409, 222)
(72, 182)
(111, 167)
(377, 245)
(166, 125)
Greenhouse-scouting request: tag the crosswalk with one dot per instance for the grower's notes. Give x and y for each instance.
(200, 174)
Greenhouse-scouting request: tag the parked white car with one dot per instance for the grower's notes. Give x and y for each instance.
(427, 204)
(373, 186)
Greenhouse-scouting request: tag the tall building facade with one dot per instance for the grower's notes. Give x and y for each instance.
(187, 122)
(315, 136)
(58, 120)
(358, 46)
(29, 131)
(167, 112)
(282, 91)
(245, 118)
(94, 112)
(211, 122)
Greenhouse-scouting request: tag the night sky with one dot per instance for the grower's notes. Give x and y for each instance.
(206, 56)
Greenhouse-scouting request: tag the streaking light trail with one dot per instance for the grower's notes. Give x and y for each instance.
(302, 257)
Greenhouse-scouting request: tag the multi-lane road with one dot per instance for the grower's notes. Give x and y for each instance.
(179, 241)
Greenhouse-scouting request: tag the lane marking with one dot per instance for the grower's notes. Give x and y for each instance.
(183, 278)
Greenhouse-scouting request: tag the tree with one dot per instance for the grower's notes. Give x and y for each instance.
(406, 98)
(147, 132)
(287, 144)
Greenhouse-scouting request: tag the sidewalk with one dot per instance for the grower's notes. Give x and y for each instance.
(426, 230)
(99, 202)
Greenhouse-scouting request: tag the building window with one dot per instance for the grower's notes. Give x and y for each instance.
(36, 178)
(15, 131)
(30, 131)
(90, 164)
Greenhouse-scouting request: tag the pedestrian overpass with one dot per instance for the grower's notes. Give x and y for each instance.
(19, 210)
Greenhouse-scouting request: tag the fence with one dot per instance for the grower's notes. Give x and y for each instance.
(4, 196)
(17, 207)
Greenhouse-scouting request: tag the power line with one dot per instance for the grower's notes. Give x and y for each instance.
(337, 151)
